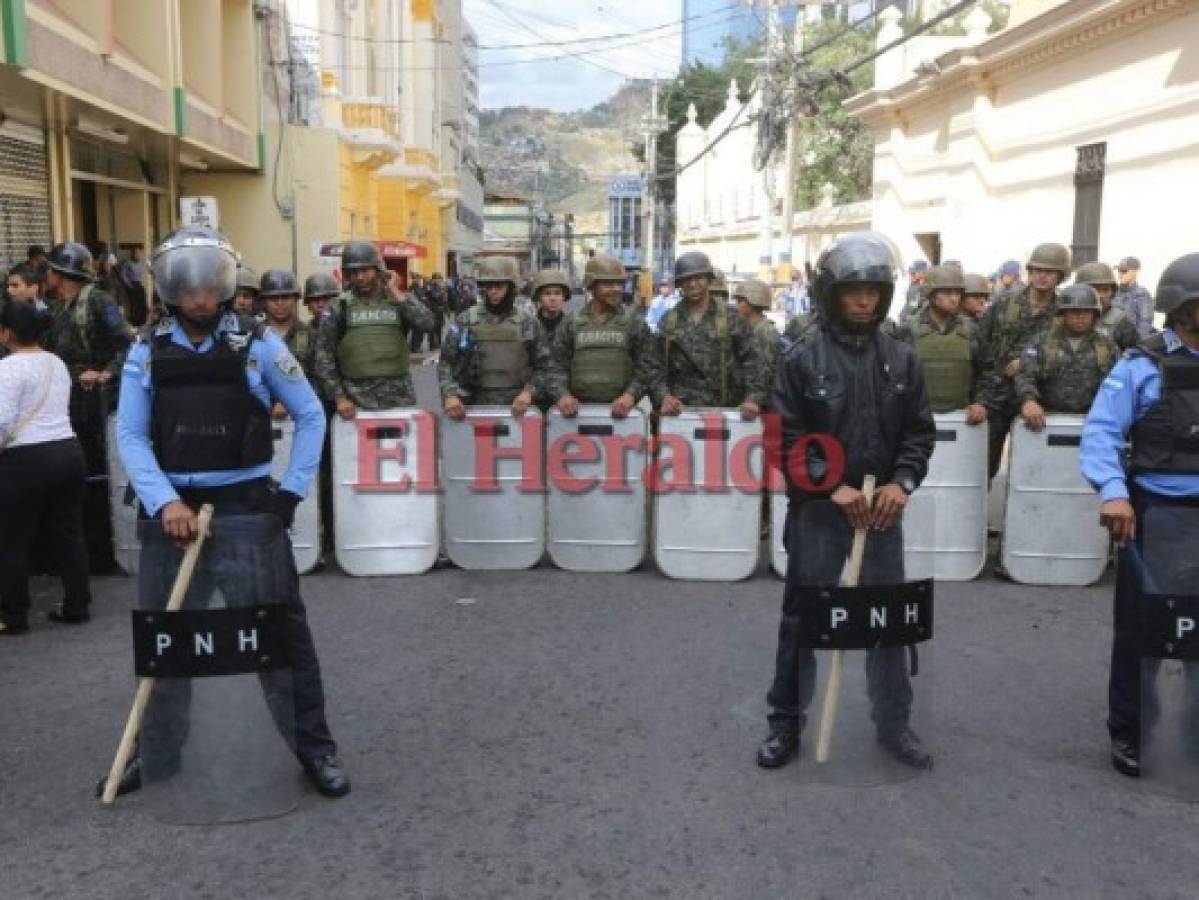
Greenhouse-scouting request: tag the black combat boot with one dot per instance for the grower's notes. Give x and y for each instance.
(326, 775)
(1126, 757)
(905, 746)
(778, 749)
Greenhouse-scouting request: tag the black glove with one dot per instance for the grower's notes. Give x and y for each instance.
(283, 504)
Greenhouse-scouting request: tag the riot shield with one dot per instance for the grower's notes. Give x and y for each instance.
(123, 503)
(306, 529)
(494, 489)
(386, 517)
(956, 488)
(219, 722)
(1169, 648)
(595, 511)
(707, 481)
(866, 670)
(1051, 533)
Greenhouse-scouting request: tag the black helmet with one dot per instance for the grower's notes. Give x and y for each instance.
(864, 258)
(278, 283)
(1078, 296)
(361, 255)
(72, 260)
(194, 257)
(320, 285)
(1178, 285)
(693, 263)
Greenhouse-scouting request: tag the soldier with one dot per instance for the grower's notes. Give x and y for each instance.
(280, 294)
(1115, 321)
(194, 428)
(245, 301)
(606, 353)
(1064, 367)
(709, 355)
(849, 380)
(492, 354)
(551, 288)
(753, 299)
(1134, 299)
(1152, 398)
(917, 274)
(362, 358)
(720, 287)
(319, 289)
(438, 301)
(1011, 323)
(947, 344)
(90, 334)
(977, 296)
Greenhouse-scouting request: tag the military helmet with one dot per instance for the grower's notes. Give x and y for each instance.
(976, 284)
(1050, 256)
(361, 255)
(1179, 284)
(1078, 296)
(603, 267)
(278, 283)
(866, 257)
(498, 269)
(247, 279)
(73, 260)
(754, 292)
(550, 278)
(320, 285)
(1096, 274)
(720, 285)
(193, 258)
(945, 278)
(693, 263)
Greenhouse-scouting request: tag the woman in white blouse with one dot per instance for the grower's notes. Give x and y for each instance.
(42, 471)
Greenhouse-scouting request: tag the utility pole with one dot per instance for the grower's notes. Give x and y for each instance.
(651, 127)
(791, 182)
(769, 95)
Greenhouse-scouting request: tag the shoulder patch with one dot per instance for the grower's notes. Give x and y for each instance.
(112, 314)
(288, 367)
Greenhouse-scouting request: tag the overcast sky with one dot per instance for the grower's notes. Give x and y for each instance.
(532, 77)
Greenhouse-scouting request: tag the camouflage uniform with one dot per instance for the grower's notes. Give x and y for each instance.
(800, 326)
(1116, 325)
(642, 351)
(550, 335)
(770, 344)
(1061, 377)
(693, 365)
(365, 393)
(301, 341)
(457, 368)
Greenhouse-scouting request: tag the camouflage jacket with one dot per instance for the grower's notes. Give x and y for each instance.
(1009, 325)
(366, 393)
(550, 335)
(694, 362)
(301, 341)
(1116, 324)
(89, 333)
(454, 369)
(771, 344)
(643, 350)
(1062, 377)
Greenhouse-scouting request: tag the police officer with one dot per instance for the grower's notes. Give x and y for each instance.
(850, 380)
(280, 295)
(1063, 368)
(1135, 300)
(1114, 321)
(203, 367)
(1012, 322)
(947, 344)
(492, 354)
(245, 300)
(753, 300)
(1151, 396)
(362, 355)
(89, 333)
(606, 353)
(977, 296)
(709, 355)
(319, 289)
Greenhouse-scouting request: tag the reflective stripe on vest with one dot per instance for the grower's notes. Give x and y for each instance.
(374, 343)
(947, 369)
(601, 367)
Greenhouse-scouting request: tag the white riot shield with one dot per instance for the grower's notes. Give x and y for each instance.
(595, 513)
(126, 547)
(1051, 532)
(707, 486)
(778, 533)
(306, 529)
(1169, 645)
(386, 517)
(494, 488)
(956, 488)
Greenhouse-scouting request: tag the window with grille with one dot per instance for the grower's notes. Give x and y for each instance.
(1088, 201)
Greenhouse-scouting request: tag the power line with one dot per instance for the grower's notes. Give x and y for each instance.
(936, 20)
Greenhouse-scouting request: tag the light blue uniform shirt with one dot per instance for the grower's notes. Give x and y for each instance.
(272, 374)
(1132, 387)
(658, 308)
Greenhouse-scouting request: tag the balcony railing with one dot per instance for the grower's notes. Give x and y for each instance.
(368, 114)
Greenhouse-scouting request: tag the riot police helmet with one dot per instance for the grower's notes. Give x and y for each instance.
(278, 283)
(194, 258)
(361, 255)
(863, 258)
(1178, 285)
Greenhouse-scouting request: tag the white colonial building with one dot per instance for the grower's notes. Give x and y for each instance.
(1078, 123)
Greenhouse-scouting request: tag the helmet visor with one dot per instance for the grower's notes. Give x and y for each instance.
(181, 270)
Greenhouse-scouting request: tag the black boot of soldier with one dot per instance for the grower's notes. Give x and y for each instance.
(1126, 757)
(905, 746)
(326, 775)
(778, 749)
(131, 779)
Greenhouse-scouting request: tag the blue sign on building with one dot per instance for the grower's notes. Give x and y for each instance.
(624, 219)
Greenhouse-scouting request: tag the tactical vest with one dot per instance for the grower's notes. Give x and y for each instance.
(601, 367)
(1166, 439)
(203, 416)
(503, 363)
(374, 341)
(947, 368)
(670, 325)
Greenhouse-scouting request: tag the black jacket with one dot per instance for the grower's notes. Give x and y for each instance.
(866, 392)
